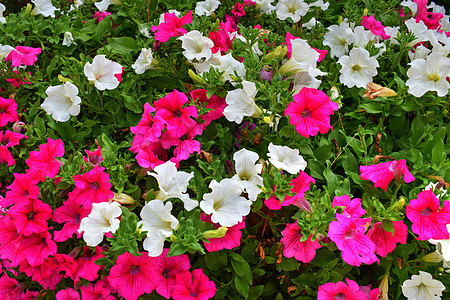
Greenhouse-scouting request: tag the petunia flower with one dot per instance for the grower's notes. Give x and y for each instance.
(8, 111)
(302, 56)
(85, 266)
(352, 207)
(338, 37)
(44, 161)
(31, 216)
(385, 242)
(171, 27)
(9, 287)
(133, 276)
(383, 173)
(103, 5)
(5, 50)
(9, 139)
(195, 286)
(241, 103)
(358, 68)
(374, 26)
(340, 290)
(293, 247)
(205, 8)
(294, 9)
(149, 128)
(285, 158)
(24, 187)
(70, 214)
(62, 101)
(67, 294)
(94, 157)
(43, 7)
(215, 103)
(422, 287)
(37, 247)
(429, 222)
(310, 112)
(247, 172)
(68, 39)
(2, 10)
(102, 73)
(197, 48)
(144, 62)
(225, 203)
(23, 55)
(95, 292)
(159, 223)
(230, 240)
(102, 219)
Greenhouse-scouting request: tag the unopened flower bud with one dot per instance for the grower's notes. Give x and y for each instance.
(173, 238)
(365, 12)
(27, 11)
(216, 234)
(195, 77)
(433, 257)
(123, 198)
(18, 126)
(63, 79)
(275, 53)
(384, 287)
(340, 19)
(399, 204)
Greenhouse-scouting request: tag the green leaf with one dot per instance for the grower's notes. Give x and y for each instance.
(241, 267)
(123, 44)
(388, 226)
(289, 264)
(242, 286)
(437, 153)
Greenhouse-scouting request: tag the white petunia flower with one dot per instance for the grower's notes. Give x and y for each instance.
(103, 5)
(338, 38)
(4, 50)
(231, 66)
(241, 102)
(43, 7)
(225, 203)
(303, 57)
(422, 287)
(197, 47)
(68, 39)
(102, 219)
(358, 69)
(159, 223)
(205, 8)
(2, 10)
(311, 23)
(285, 158)
(411, 5)
(321, 4)
(101, 73)
(361, 37)
(429, 75)
(62, 101)
(419, 29)
(173, 184)
(264, 6)
(307, 79)
(294, 9)
(247, 172)
(144, 62)
(420, 52)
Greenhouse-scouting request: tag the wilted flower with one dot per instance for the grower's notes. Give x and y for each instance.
(374, 90)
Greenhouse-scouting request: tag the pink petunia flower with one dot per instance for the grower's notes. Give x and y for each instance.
(310, 112)
(98, 16)
(9, 241)
(8, 111)
(23, 55)
(167, 268)
(85, 266)
(300, 185)
(94, 158)
(293, 247)
(193, 287)
(35, 248)
(44, 161)
(17, 81)
(9, 288)
(215, 103)
(92, 187)
(374, 26)
(348, 234)
(70, 213)
(149, 155)
(353, 207)
(24, 187)
(171, 110)
(48, 274)
(96, 292)
(171, 27)
(428, 221)
(340, 290)
(149, 128)
(133, 275)
(382, 174)
(9, 139)
(67, 294)
(31, 216)
(231, 239)
(238, 9)
(385, 242)
(221, 38)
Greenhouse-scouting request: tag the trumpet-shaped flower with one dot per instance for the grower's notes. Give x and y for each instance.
(102, 219)
(303, 57)
(338, 38)
(158, 222)
(5, 50)
(144, 62)
(429, 74)
(205, 8)
(241, 102)
(428, 221)
(23, 188)
(195, 286)
(44, 161)
(173, 184)
(104, 4)
(70, 213)
(148, 129)
(8, 111)
(31, 216)
(247, 172)
(9, 139)
(382, 174)
(197, 48)
(215, 103)
(422, 287)
(385, 242)
(171, 27)
(2, 10)
(293, 247)
(225, 203)
(285, 158)
(352, 208)
(294, 9)
(340, 290)
(23, 55)
(374, 26)
(68, 39)
(43, 7)
(310, 112)
(102, 73)
(62, 101)
(358, 69)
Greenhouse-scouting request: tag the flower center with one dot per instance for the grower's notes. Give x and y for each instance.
(349, 235)
(30, 216)
(306, 113)
(165, 273)
(177, 113)
(426, 212)
(356, 68)
(94, 159)
(340, 296)
(193, 294)
(5, 140)
(134, 269)
(77, 218)
(95, 185)
(2, 110)
(433, 77)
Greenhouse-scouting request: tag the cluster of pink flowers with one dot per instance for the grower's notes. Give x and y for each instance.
(8, 113)
(173, 124)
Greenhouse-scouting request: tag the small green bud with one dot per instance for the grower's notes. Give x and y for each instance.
(399, 204)
(173, 238)
(195, 77)
(64, 79)
(215, 234)
(27, 11)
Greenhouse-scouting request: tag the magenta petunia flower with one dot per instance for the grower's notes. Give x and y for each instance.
(70, 213)
(310, 112)
(171, 27)
(340, 290)
(9, 139)
(48, 274)
(67, 294)
(353, 207)
(133, 275)
(8, 111)
(374, 26)
(31, 216)
(231, 239)
(92, 187)
(94, 158)
(23, 55)
(385, 242)
(167, 268)
(149, 128)
(9, 288)
(149, 155)
(348, 234)
(238, 9)
(45, 160)
(193, 287)
(35, 248)
(215, 103)
(9, 241)
(382, 174)
(428, 221)
(293, 247)
(24, 187)
(97, 292)
(85, 266)
(171, 110)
